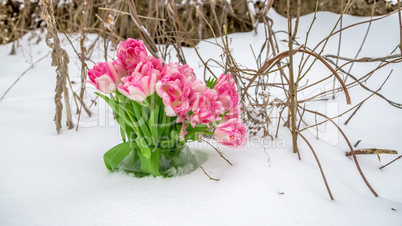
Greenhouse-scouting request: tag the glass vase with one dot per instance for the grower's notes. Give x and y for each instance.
(172, 162)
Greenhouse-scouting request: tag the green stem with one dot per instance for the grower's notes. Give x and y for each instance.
(199, 132)
(206, 133)
(149, 104)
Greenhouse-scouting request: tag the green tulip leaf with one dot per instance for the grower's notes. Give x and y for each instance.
(144, 147)
(115, 155)
(150, 165)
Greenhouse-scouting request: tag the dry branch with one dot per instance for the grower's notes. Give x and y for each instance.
(391, 162)
(366, 59)
(23, 73)
(211, 178)
(220, 153)
(59, 60)
(148, 41)
(319, 165)
(373, 151)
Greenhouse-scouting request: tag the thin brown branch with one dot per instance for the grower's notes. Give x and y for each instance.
(319, 165)
(400, 25)
(365, 59)
(220, 153)
(357, 143)
(208, 175)
(23, 73)
(354, 112)
(292, 87)
(372, 151)
(382, 167)
(126, 13)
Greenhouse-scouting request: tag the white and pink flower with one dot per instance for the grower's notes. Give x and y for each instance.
(172, 68)
(205, 108)
(106, 76)
(174, 91)
(228, 96)
(141, 83)
(132, 52)
(177, 88)
(231, 133)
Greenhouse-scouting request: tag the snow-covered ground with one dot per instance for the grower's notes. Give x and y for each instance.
(50, 179)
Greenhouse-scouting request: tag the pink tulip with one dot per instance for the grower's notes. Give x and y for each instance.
(175, 91)
(172, 68)
(227, 94)
(177, 86)
(205, 108)
(105, 76)
(157, 63)
(197, 85)
(231, 133)
(132, 52)
(141, 83)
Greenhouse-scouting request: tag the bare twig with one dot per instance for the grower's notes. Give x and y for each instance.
(357, 143)
(382, 167)
(374, 151)
(220, 153)
(354, 112)
(208, 175)
(400, 25)
(292, 87)
(319, 165)
(23, 73)
(126, 13)
(366, 59)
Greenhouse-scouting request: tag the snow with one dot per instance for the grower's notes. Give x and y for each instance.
(50, 179)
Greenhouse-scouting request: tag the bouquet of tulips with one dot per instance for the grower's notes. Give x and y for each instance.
(161, 107)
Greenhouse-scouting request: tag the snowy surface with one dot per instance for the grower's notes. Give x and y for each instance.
(50, 179)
